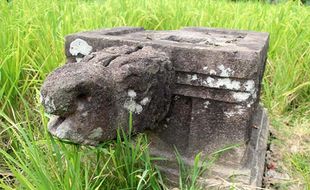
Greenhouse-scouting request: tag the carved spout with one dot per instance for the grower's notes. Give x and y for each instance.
(89, 100)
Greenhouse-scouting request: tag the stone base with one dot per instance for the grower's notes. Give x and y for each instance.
(240, 165)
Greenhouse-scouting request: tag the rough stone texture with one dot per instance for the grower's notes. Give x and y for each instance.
(90, 99)
(244, 164)
(208, 92)
(241, 165)
(220, 67)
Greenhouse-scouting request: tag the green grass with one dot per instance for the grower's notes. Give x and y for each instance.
(301, 163)
(47, 164)
(31, 45)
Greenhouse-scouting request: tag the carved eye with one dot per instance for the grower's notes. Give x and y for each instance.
(83, 97)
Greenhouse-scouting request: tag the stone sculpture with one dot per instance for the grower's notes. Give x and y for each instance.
(195, 88)
(90, 99)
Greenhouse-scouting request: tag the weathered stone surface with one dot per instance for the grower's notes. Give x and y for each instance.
(208, 51)
(241, 165)
(221, 67)
(204, 97)
(90, 99)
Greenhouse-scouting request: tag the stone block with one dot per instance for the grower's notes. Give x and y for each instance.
(218, 73)
(208, 88)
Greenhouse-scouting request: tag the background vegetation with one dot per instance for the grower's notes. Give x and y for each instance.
(31, 45)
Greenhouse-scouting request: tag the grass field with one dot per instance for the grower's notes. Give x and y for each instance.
(31, 45)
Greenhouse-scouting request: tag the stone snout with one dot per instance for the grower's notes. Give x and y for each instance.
(90, 99)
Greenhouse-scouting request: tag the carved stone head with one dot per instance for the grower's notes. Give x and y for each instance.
(90, 99)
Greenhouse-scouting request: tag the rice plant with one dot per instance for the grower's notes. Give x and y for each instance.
(32, 45)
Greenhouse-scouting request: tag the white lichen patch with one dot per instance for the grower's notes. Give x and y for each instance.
(225, 72)
(212, 72)
(250, 104)
(96, 133)
(238, 110)
(132, 94)
(241, 96)
(84, 114)
(194, 77)
(79, 46)
(209, 81)
(131, 105)
(229, 114)
(249, 86)
(49, 104)
(144, 101)
(206, 104)
(229, 84)
(138, 108)
(222, 83)
(78, 59)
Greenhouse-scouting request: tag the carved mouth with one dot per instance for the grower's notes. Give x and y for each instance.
(65, 130)
(54, 122)
(62, 128)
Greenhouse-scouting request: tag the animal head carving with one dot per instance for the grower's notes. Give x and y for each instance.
(90, 99)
